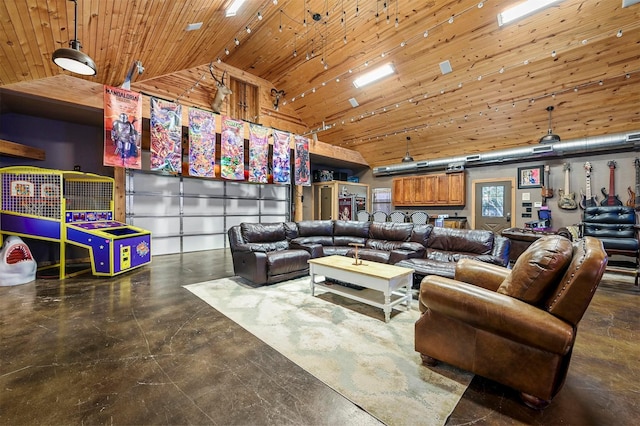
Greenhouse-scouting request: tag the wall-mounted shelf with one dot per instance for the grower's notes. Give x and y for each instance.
(13, 149)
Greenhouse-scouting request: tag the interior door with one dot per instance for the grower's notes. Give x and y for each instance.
(326, 202)
(493, 203)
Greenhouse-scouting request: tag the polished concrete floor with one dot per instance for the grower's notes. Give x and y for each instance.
(140, 349)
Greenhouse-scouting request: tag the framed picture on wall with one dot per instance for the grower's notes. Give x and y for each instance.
(530, 177)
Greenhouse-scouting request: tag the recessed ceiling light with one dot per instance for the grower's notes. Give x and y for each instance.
(374, 75)
(194, 26)
(233, 9)
(523, 9)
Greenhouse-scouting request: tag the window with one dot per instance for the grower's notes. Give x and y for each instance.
(381, 200)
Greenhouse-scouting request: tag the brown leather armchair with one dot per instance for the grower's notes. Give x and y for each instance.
(516, 327)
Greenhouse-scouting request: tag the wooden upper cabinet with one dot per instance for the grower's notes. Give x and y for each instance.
(457, 188)
(440, 189)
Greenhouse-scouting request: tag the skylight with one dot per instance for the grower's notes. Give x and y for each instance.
(521, 10)
(233, 9)
(374, 75)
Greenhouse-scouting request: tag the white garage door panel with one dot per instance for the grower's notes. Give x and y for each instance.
(165, 246)
(237, 220)
(153, 205)
(203, 225)
(208, 242)
(159, 226)
(243, 190)
(204, 187)
(201, 206)
(273, 207)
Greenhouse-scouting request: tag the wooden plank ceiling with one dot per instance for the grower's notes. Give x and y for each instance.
(582, 57)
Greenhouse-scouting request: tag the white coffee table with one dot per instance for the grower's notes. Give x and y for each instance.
(391, 284)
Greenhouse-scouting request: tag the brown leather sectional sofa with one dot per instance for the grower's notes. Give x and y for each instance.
(266, 253)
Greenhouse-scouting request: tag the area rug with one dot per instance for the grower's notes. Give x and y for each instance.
(345, 344)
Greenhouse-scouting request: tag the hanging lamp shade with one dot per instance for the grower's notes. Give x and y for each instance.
(71, 58)
(550, 137)
(407, 158)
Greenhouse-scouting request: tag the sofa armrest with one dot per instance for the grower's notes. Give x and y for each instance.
(251, 265)
(314, 250)
(497, 314)
(481, 274)
(501, 249)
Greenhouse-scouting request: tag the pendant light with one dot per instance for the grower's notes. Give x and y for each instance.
(71, 58)
(407, 158)
(550, 137)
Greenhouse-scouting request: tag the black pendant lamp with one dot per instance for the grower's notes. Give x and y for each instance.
(407, 158)
(550, 137)
(71, 58)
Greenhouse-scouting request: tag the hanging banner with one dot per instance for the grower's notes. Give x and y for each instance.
(166, 136)
(281, 156)
(302, 161)
(258, 153)
(202, 143)
(122, 128)
(232, 149)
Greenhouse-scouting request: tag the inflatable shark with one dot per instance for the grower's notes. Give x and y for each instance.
(16, 262)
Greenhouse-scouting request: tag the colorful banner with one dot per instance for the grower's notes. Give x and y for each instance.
(232, 149)
(202, 143)
(281, 156)
(122, 128)
(302, 175)
(258, 153)
(166, 136)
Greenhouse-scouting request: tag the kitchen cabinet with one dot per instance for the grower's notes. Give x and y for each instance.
(440, 189)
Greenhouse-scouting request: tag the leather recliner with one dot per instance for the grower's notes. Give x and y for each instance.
(516, 327)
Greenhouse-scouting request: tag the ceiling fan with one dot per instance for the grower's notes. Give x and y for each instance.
(550, 137)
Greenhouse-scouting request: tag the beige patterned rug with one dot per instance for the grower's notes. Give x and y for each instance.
(345, 344)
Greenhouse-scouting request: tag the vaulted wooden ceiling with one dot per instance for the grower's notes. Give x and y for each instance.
(582, 57)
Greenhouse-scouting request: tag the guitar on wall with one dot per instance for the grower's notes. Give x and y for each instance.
(634, 197)
(610, 199)
(588, 200)
(567, 199)
(547, 191)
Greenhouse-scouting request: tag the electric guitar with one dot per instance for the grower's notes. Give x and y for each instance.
(587, 200)
(547, 191)
(634, 197)
(610, 199)
(567, 199)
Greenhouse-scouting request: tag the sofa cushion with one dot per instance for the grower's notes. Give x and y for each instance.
(287, 261)
(390, 231)
(346, 232)
(542, 264)
(420, 234)
(262, 232)
(476, 241)
(315, 228)
(324, 240)
(423, 267)
(379, 256)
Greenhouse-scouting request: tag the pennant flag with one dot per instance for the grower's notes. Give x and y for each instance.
(302, 161)
(258, 153)
(122, 128)
(232, 149)
(166, 136)
(202, 143)
(281, 157)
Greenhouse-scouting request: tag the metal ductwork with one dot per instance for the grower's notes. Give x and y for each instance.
(618, 141)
